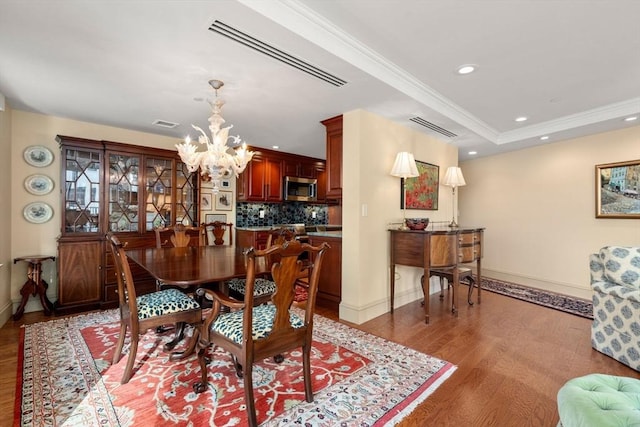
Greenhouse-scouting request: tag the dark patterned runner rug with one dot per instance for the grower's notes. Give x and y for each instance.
(578, 306)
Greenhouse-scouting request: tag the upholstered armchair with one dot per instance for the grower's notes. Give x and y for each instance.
(615, 280)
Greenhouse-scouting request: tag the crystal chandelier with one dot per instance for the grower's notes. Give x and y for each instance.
(219, 161)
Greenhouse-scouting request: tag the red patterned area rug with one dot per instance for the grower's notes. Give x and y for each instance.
(65, 377)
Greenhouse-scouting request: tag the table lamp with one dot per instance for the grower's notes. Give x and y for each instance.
(404, 167)
(453, 178)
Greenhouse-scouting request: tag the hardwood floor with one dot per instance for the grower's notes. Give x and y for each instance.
(512, 357)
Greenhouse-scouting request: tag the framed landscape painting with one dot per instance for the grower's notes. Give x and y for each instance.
(421, 191)
(618, 190)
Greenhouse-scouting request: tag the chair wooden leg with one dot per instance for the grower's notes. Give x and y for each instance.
(238, 366)
(248, 393)
(120, 343)
(201, 386)
(441, 280)
(472, 283)
(126, 376)
(306, 370)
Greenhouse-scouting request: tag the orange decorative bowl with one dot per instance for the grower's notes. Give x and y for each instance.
(417, 223)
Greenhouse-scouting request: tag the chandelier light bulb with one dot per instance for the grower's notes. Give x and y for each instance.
(218, 160)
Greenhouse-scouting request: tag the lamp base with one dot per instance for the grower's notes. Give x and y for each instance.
(453, 224)
(404, 226)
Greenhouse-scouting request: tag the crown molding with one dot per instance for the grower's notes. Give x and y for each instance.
(618, 110)
(315, 28)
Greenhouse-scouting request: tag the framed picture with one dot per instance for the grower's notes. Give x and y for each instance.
(206, 203)
(421, 191)
(205, 181)
(618, 190)
(209, 218)
(224, 201)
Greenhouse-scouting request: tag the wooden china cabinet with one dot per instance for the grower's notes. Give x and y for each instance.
(123, 188)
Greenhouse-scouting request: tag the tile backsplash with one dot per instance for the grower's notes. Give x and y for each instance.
(248, 214)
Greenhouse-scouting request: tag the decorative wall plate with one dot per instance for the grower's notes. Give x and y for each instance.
(37, 212)
(38, 156)
(38, 184)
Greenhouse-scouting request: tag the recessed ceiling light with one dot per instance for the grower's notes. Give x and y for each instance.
(275, 147)
(466, 69)
(521, 119)
(472, 153)
(630, 119)
(544, 138)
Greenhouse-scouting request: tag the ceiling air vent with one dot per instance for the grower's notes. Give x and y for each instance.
(165, 124)
(436, 128)
(275, 53)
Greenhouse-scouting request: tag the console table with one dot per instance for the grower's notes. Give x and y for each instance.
(437, 247)
(35, 284)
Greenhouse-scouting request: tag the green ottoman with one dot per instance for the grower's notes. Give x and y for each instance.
(598, 400)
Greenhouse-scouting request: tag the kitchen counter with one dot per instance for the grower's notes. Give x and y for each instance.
(260, 228)
(335, 233)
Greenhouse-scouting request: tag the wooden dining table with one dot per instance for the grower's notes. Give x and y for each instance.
(191, 267)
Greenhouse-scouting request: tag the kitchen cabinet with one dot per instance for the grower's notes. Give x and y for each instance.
(334, 156)
(252, 238)
(300, 168)
(321, 187)
(123, 188)
(330, 282)
(261, 181)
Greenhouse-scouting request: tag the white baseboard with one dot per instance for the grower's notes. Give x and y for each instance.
(359, 315)
(569, 289)
(5, 313)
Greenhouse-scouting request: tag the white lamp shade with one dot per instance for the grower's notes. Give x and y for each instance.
(453, 177)
(405, 166)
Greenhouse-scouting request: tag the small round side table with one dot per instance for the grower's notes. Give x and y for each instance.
(35, 284)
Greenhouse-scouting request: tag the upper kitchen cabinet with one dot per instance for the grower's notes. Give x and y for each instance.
(334, 157)
(321, 176)
(261, 181)
(299, 167)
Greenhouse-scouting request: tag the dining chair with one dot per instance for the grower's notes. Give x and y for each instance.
(139, 313)
(254, 332)
(212, 233)
(464, 273)
(264, 287)
(178, 235)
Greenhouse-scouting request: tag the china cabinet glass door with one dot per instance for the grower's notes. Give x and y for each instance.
(186, 183)
(123, 192)
(158, 204)
(82, 190)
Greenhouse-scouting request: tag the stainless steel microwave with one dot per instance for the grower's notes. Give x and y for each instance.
(300, 189)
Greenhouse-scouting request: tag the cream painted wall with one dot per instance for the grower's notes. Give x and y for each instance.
(370, 145)
(538, 207)
(30, 239)
(5, 216)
